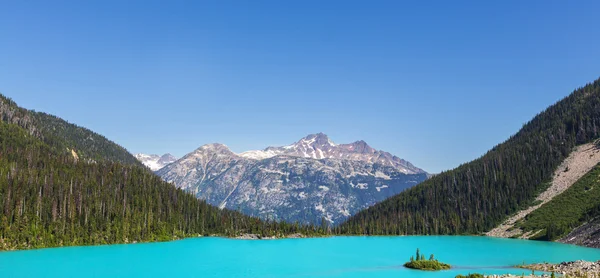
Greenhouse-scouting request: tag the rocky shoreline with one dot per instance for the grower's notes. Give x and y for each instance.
(565, 269)
(518, 276)
(257, 236)
(584, 235)
(569, 269)
(575, 269)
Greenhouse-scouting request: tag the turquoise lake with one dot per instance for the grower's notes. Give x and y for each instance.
(314, 257)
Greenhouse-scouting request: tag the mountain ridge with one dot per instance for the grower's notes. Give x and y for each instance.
(291, 183)
(319, 146)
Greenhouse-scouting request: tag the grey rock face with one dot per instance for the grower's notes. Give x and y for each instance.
(587, 234)
(166, 159)
(306, 182)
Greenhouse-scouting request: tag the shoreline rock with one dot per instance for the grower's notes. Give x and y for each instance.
(257, 236)
(584, 235)
(296, 235)
(518, 276)
(249, 236)
(578, 268)
(574, 269)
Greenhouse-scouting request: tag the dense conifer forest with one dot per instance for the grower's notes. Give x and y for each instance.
(477, 196)
(51, 196)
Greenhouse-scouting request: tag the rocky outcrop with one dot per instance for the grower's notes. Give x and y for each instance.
(249, 236)
(256, 236)
(518, 276)
(587, 234)
(570, 269)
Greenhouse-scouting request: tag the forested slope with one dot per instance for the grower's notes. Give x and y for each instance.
(477, 196)
(64, 136)
(48, 197)
(576, 206)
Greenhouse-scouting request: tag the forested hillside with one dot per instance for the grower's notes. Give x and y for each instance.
(49, 197)
(577, 205)
(64, 136)
(477, 196)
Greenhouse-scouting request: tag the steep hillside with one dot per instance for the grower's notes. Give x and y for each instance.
(579, 163)
(50, 197)
(477, 196)
(63, 136)
(308, 181)
(575, 209)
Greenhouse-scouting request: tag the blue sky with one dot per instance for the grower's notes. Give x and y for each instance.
(436, 83)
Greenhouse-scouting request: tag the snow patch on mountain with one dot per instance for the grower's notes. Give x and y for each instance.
(319, 146)
(155, 162)
(310, 180)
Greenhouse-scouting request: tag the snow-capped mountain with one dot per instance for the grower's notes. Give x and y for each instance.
(307, 181)
(155, 162)
(319, 146)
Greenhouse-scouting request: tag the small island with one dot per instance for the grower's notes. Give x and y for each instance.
(421, 263)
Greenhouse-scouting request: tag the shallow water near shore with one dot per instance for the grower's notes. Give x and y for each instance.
(311, 257)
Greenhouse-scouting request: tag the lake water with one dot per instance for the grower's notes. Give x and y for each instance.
(315, 257)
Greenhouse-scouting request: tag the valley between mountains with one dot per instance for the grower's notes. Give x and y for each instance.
(67, 185)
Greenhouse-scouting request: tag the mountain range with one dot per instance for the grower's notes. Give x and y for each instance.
(311, 180)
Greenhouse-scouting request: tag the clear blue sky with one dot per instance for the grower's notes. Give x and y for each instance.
(437, 83)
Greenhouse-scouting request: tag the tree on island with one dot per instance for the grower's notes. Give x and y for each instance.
(422, 264)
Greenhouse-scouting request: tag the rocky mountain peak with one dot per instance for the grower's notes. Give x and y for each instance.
(360, 147)
(317, 140)
(320, 146)
(213, 148)
(167, 158)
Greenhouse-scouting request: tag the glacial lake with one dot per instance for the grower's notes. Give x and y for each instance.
(314, 257)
